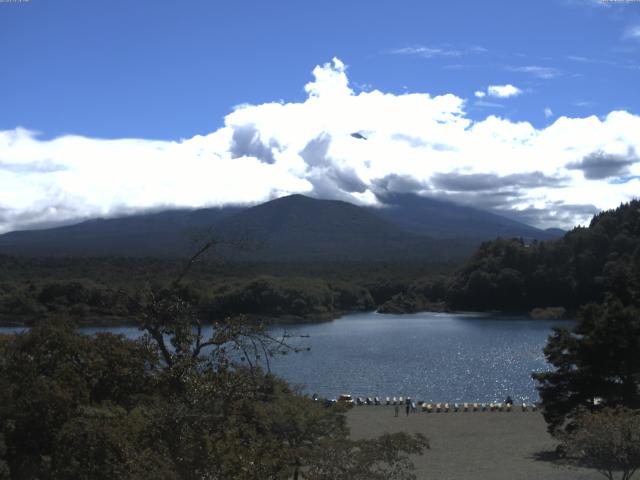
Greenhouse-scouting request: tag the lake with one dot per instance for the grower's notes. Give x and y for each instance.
(438, 357)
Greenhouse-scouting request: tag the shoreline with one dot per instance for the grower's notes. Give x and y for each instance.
(268, 320)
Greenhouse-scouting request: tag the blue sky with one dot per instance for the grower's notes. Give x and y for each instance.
(78, 71)
(169, 70)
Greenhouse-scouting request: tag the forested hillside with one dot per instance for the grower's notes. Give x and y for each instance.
(587, 265)
(99, 290)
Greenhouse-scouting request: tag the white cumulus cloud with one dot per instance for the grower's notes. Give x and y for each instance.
(335, 144)
(503, 91)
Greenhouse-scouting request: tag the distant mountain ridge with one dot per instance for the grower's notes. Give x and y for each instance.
(292, 228)
(299, 228)
(165, 233)
(440, 219)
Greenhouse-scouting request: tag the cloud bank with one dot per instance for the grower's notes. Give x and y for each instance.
(335, 144)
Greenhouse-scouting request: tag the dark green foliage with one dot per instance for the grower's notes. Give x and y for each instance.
(4, 467)
(596, 365)
(48, 374)
(607, 441)
(586, 265)
(421, 295)
(97, 290)
(103, 407)
(305, 297)
(107, 443)
(81, 299)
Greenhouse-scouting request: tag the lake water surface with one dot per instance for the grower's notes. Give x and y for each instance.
(428, 356)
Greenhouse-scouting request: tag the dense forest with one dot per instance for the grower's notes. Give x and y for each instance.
(99, 290)
(550, 278)
(589, 264)
(555, 277)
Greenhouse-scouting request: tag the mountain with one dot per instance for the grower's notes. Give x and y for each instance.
(165, 233)
(297, 228)
(440, 219)
(556, 232)
(293, 228)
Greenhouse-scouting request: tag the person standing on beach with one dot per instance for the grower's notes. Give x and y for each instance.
(397, 410)
(407, 403)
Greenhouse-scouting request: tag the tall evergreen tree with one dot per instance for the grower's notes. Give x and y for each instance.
(596, 365)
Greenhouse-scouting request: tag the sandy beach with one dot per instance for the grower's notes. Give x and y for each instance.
(473, 445)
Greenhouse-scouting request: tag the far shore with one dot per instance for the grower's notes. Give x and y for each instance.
(284, 319)
(108, 321)
(473, 445)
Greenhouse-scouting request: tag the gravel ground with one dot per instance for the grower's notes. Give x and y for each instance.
(473, 445)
